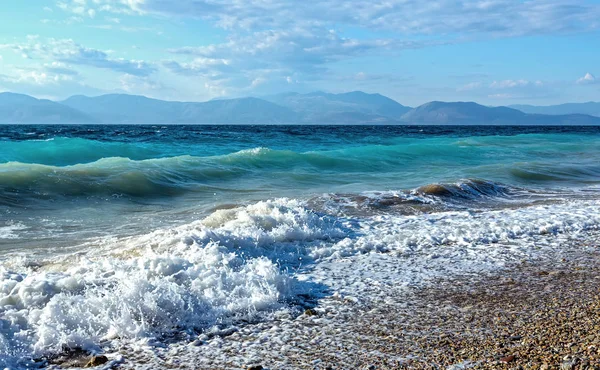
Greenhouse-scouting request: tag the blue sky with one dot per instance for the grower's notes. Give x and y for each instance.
(495, 52)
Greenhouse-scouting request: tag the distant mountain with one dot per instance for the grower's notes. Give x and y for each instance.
(589, 108)
(18, 108)
(469, 113)
(237, 111)
(318, 108)
(323, 107)
(121, 108)
(464, 113)
(118, 108)
(291, 108)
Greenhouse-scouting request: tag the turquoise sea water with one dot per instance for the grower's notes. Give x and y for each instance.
(83, 181)
(162, 161)
(230, 210)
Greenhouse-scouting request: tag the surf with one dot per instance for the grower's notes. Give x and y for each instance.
(242, 264)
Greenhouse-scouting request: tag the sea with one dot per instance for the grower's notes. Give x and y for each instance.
(152, 235)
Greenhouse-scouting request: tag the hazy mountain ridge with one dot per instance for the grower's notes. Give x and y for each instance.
(324, 107)
(19, 108)
(590, 108)
(443, 113)
(289, 108)
(470, 113)
(139, 109)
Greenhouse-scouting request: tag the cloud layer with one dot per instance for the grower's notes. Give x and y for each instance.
(263, 46)
(68, 51)
(504, 90)
(496, 17)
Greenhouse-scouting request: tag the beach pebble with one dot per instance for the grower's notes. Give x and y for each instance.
(97, 361)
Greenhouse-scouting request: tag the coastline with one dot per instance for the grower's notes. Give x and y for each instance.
(293, 250)
(542, 314)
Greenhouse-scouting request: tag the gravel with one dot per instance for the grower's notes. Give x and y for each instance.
(542, 314)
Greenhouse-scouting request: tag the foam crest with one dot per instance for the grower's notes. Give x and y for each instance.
(152, 296)
(455, 233)
(10, 230)
(276, 221)
(219, 269)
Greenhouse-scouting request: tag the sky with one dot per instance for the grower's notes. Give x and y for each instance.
(494, 52)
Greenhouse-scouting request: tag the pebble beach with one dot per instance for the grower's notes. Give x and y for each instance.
(543, 315)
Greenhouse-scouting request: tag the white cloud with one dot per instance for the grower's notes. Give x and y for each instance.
(494, 17)
(48, 74)
(274, 43)
(299, 53)
(274, 39)
(122, 28)
(31, 77)
(509, 84)
(60, 69)
(258, 81)
(68, 51)
(507, 89)
(588, 79)
(502, 96)
(135, 84)
(44, 84)
(207, 67)
(67, 21)
(470, 86)
(91, 8)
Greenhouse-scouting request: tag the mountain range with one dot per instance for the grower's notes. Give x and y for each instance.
(590, 108)
(469, 113)
(288, 108)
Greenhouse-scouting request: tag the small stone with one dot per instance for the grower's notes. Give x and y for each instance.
(97, 361)
(515, 338)
(584, 363)
(255, 367)
(567, 365)
(507, 359)
(310, 312)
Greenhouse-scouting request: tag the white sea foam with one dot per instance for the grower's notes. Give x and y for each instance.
(143, 297)
(245, 262)
(10, 230)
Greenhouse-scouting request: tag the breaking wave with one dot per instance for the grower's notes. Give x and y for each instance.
(238, 264)
(259, 167)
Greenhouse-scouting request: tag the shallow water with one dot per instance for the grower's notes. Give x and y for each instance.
(146, 232)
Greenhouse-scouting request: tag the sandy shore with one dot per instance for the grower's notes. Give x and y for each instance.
(542, 314)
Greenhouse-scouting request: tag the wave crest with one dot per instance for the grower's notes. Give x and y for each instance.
(468, 189)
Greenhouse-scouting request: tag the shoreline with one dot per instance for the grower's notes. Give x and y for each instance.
(542, 314)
